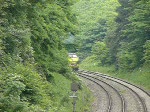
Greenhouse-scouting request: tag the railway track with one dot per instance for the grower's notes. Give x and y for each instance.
(108, 102)
(122, 96)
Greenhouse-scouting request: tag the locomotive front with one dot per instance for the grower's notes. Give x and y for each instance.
(74, 60)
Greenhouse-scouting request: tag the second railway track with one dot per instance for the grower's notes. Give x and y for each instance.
(125, 96)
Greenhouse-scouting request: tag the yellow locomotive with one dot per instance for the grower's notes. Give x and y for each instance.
(74, 60)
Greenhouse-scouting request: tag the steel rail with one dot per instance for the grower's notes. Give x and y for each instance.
(111, 78)
(120, 96)
(104, 75)
(108, 95)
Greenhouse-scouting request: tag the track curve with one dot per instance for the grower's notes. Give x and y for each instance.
(136, 99)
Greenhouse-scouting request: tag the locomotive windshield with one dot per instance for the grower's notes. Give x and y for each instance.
(72, 55)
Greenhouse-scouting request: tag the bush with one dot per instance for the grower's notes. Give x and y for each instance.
(20, 87)
(147, 52)
(11, 90)
(101, 52)
(126, 60)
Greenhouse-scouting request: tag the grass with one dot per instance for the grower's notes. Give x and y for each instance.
(62, 90)
(23, 88)
(140, 77)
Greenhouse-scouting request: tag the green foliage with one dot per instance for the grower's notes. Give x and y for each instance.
(126, 35)
(20, 89)
(61, 90)
(138, 76)
(96, 20)
(129, 34)
(126, 60)
(11, 88)
(147, 52)
(91, 64)
(48, 32)
(28, 35)
(23, 89)
(15, 32)
(140, 16)
(101, 52)
(132, 33)
(32, 55)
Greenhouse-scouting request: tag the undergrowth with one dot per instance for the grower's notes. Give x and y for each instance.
(24, 90)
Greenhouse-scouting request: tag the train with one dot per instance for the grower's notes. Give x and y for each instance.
(73, 61)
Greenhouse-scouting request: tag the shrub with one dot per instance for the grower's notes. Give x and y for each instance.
(147, 52)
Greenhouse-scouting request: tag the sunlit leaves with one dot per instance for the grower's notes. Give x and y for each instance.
(31, 34)
(100, 50)
(96, 20)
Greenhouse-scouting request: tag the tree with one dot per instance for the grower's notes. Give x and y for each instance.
(135, 33)
(147, 52)
(48, 32)
(96, 18)
(15, 31)
(100, 50)
(31, 50)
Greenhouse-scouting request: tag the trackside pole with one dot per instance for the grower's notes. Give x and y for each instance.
(74, 88)
(74, 101)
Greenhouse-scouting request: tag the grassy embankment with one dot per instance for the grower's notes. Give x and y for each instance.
(24, 90)
(140, 77)
(63, 90)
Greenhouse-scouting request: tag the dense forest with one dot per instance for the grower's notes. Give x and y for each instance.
(114, 38)
(115, 32)
(34, 70)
